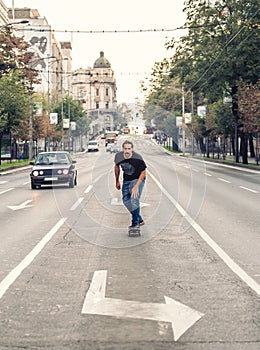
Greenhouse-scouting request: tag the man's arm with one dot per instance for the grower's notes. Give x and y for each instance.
(117, 174)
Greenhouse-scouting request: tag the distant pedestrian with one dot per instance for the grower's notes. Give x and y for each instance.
(134, 175)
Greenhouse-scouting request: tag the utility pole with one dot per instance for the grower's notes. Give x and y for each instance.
(31, 124)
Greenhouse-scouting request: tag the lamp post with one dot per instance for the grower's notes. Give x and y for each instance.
(14, 23)
(31, 103)
(183, 120)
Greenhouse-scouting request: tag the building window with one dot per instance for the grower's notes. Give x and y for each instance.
(107, 105)
(97, 105)
(106, 91)
(97, 92)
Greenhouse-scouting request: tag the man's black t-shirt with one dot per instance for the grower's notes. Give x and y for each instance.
(132, 167)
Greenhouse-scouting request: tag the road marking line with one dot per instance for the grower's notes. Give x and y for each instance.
(9, 189)
(248, 189)
(77, 203)
(88, 189)
(21, 206)
(219, 251)
(3, 182)
(207, 174)
(15, 273)
(220, 178)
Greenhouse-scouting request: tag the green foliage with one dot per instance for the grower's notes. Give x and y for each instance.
(219, 49)
(14, 102)
(73, 110)
(221, 46)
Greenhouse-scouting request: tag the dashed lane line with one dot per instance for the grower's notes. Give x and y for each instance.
(219, 251)
(223, 180)
(88, 189)
(248, 189)
(9, 189)
(77, 203)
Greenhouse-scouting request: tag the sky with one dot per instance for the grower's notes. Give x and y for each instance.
(131, 55)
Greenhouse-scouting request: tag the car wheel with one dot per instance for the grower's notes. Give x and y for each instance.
(33, 186)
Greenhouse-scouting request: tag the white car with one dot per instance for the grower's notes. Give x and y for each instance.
(93, 146)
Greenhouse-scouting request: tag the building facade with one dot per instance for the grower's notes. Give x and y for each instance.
(96, 89)
(51, 57)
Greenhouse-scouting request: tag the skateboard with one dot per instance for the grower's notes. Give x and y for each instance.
(133, 232)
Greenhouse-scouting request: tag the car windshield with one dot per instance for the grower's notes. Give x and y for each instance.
(92, 142)
(52, 158)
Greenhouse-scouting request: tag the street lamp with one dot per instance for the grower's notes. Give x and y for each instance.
(14, 23)
(33, 63)
(183, 120)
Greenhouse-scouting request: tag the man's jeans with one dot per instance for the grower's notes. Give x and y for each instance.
(131, 203)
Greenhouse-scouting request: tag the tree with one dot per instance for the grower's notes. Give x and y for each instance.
(249, 114)
(14, 103)
(221, 47)
(14, 55)
(16, 81)
(72, 110)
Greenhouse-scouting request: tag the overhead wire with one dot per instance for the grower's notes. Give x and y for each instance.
(220, 53)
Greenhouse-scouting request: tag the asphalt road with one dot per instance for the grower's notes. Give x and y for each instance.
(71, 278)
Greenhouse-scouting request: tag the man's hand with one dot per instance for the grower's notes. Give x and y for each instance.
(135, 191)
(118, 186)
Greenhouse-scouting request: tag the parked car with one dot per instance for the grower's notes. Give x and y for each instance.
(93, 146)
(53, 168)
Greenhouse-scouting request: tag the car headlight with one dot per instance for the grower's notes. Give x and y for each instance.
(65, 171)
(35, 173)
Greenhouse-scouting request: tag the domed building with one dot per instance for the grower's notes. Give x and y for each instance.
(96, 88)
(102, 62)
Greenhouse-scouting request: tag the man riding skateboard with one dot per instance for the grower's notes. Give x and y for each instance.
(134, 174)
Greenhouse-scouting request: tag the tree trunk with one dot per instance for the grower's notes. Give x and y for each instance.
(234, 91)
(244, 148)
(251, 147)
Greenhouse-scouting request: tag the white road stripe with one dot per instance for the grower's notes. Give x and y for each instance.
(220, 252)
(207, 174)
(220, 178)
(15, 273)
(248, 189)
(77, 203)
(9, 189)
(88, 189)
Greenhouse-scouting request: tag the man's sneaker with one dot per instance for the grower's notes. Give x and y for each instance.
(141, 223)
(134, 226)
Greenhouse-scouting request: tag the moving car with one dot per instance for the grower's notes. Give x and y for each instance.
(53, 168)
(110, 137)
(93, 146)
(112, 148)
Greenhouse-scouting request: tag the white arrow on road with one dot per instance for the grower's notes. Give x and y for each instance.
(179, 315)
(21, 206)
